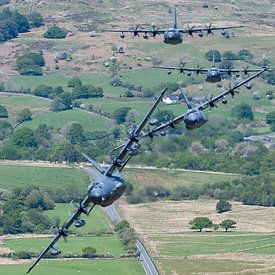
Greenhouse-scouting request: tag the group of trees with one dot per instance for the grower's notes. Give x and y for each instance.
(12, 23)
(30, 64)
(251, 190)
(228, 55)
(201, 223)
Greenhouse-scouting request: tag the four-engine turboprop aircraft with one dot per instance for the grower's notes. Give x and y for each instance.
(174, 35)
(108, 184)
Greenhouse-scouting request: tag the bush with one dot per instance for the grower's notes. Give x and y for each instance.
(2, 87)
(245, 54)
(3, 112)
(228, 55)
(24, 115)
(122, 226)
(36, 19)
(209, 56)
(74, 82)
(223, 206)
(22, 255)
(55, 32)
(242, 111)
(120, 114)
(88, 252)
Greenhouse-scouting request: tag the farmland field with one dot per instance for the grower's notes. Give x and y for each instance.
(85, 267)
(164, 229)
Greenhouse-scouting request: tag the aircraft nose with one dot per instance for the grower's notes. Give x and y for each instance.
(96, 197)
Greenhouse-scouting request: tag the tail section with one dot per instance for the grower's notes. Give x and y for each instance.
(185, 98)
(213, 59)
(96, 165)
(175, 25)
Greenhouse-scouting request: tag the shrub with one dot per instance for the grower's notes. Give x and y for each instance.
(88, 252)
(55, 32)
(223, 206)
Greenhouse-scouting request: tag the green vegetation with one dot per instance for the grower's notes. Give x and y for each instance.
(30, 64)
(36, 19)
(223, 206)
(242, 111)
(227, 224)
(201, 223)
(3, 112)
(24, 115)
(55, 32)
(86, 267)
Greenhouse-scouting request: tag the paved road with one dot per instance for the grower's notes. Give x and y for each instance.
(144, 257)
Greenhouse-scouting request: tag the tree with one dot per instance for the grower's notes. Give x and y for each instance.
(43, 90)
(242, 111)
(74, 82)
(164, 115)
(209, 55)
(2, 86)
(76, 134)
(223, 206)
(5, 129)
(40, 200)
(227, 224)
(88, 252)
(245, 54)
(21, 21)
(55, 32)
(200, 223)
(23, 137)
(36, 19)
(24, 115)
(3, 112)
(57, 105)
(270, 118)
(226, 64)
(228, 55)
(66, 100)
(120, 114)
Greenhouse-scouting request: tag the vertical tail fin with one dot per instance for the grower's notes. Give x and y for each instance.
(185, 98)
(175, 25)
(213, 59)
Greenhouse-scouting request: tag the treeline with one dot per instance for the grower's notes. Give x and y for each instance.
(251, 190)
(12, 23)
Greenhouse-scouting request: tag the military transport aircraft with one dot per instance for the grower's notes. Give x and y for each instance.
(108, 184)
(213, 74)
(172, 35)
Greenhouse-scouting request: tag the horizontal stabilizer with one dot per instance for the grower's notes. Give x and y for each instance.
(95, 164)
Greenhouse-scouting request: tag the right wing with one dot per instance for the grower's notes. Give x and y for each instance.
(119, 162)
(63, 232)
(182, 69)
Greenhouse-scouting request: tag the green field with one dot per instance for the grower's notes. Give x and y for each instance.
(16, 175)
(201, 266)
(90, 121)
(96, 222)
(203, 243)
(84, 267)
(103, 244)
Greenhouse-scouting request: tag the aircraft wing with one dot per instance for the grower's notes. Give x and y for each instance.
(212, 101)
(245, 71)
(207, 104)
(137, 31)
(182, 69)
(208, 29)
(119, 162)
(63, 232)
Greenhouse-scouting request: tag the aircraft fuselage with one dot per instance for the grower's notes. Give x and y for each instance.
(172, 37)
(108, 190)
(213, 75)
(194, 119)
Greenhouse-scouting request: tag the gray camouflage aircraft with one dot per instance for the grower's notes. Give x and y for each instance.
(174, 35)
(108, 184)
(213, 74)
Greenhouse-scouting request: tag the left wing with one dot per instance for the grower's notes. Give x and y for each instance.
(137, 31)
(63, 232)
(208, 29)
(119, 162)
(181, 69)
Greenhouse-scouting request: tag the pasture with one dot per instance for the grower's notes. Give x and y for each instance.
(20, 175)
(96, 222)
(72, 267)
(103, 245)
(165, 230)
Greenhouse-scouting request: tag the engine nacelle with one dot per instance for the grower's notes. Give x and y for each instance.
(55, 251)
(79, 223)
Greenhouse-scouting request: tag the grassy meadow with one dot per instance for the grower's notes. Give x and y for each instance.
(85, 267)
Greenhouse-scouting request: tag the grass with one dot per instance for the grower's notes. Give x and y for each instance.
(173, 177)
(17, 175)
(97, 222)
(103, 244)
(198, 244)
(201, 266)
(58, 120)
(84, 267)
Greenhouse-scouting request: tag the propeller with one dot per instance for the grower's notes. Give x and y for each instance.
(190, 30)
(232, 92)
(155, 31)
(211, 103)
(198, 69)
(245, 70)
(135, 33)
(79, 207)
(209, 29)
(181, 68)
